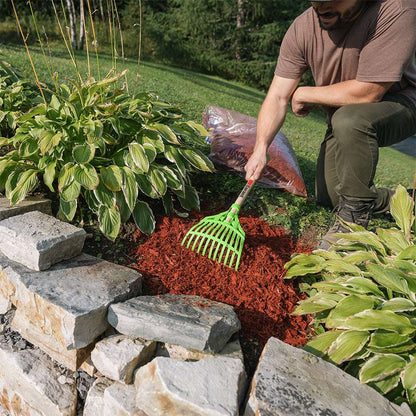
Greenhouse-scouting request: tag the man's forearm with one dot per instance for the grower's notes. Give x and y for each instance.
(343, 93)
(271, 117)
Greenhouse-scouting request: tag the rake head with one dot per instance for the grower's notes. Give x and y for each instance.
(219, 237)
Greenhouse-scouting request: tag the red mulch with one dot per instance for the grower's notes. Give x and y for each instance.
(262, 299)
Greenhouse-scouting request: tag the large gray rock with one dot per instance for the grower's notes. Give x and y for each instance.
(290, 381)
(190, 321)
(119, 400)
(118, 356)
(38, 240)
(68, 302)
(94, 403)
(209, 387)
(29, 384)
(27, 205)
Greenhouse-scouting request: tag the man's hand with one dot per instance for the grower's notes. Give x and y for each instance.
(300, 107)
(255, 165)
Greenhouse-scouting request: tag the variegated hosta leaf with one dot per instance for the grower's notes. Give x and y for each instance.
(112, 178)
(394, 240)
(387, 384)
(348, 344)
(143, 217)
(406, 266)
(26, 183)
(364, 285)
(71, 192)
(375, 319)
(150, 151)
(166, 132)
(172, 154)
(317, 303)
(365, 238)
(303, 264)
(104, 196)
(389, 277)
(397, 349)
(338, 286)
(347, 307)
(191, 199)
(66, 175)
(123, 208)
(409, 253)
(139, 156)
(87, 176)
(49, 175)
(320, 344)
(67, 210)
(129, 187)
(83, 153)
(408, 375)
(110, 221)
(384, 339)
(158, 180)
(341, 266)
(327, 254)
(359, 257)
(381, 366)
(401, 205)
(197, 159)
(48, 140)
(146, 186)
(398, 305)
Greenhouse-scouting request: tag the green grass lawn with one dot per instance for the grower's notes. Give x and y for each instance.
(193, 92)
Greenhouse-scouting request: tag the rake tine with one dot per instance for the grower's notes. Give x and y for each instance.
(203, 234)
(227, 239)
(212, 238)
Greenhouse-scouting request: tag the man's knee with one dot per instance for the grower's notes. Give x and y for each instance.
(350, 121)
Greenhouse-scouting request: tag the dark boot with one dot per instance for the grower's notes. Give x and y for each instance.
(357, 212)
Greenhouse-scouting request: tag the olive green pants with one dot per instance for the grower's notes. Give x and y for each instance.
(349, 153)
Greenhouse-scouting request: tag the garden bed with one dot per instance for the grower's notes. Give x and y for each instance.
(262, 299)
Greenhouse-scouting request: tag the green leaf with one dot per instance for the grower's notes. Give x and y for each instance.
(348, 307)
(143, 217)
(172, 154)
(87, 176)
(381, 366)
(347, 345)
(362, 257)
(366, 238)
(71, 192)
(123, 208)
(66, 175)
(398, 305)
(364, 285)
(172, 179)
(153, 138)
(341, 266)
(385, 339)
(406, 266)
(167, 203)
(138, 154)
(49, 175)
(197, 159)
(11, 182)
(394, 240)
(67, 210)
(145, 186)
(166, 133)
(317, 303)
(321, 343)
(111, 177)
(151, 152)
(303, 264)
(408, 375)
(91, 201)
(129, 187)
(408, 253)
(48, 140)
(387, 384)
(104, 196)
(83, 153)
(191, 199)
(389, 277)
(158, 180)
(401, 209)
(110, 221)
(26, 183)
(28, 148)
(40, 109)
(375, 319)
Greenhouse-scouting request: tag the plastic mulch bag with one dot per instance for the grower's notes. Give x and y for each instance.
(233, 136)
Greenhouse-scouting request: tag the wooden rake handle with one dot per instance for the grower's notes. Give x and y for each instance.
(241, 198)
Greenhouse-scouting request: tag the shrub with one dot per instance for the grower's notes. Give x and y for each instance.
(363, 300)
(114, 151)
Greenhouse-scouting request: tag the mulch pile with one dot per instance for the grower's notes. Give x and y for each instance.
(262, 299)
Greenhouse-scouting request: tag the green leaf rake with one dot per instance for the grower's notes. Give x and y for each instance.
(220, 237)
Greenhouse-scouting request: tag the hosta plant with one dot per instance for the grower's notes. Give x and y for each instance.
(16, 97)
(362, 297)
(113, 150)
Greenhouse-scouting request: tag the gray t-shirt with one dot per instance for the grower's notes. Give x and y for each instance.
(379, 46)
